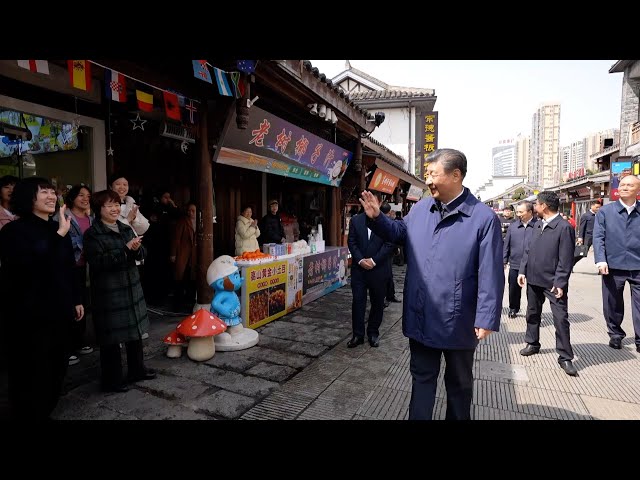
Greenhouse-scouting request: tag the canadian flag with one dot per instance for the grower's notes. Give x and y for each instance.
(39, 66)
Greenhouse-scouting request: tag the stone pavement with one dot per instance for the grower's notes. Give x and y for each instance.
(301, 369)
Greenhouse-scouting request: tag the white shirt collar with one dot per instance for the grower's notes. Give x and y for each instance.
(629, 208)
(457, 196)
(550, 219)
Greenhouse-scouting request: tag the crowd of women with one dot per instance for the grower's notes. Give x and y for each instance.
(47, 254)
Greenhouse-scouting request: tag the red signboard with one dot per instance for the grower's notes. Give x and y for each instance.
(383, 181)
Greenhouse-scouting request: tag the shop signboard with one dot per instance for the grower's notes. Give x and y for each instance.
(619, 170)
(323, 273)
(426, 140)
(271, 137)
(238, 158)
(264, 294)
(414, 193)
(294, 283)
(383, 181)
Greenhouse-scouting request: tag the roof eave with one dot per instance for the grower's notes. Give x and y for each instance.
(620, 66)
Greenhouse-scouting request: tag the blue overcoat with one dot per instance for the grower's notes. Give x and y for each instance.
(455, 277)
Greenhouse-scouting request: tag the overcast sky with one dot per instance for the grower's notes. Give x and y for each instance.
(483, 101)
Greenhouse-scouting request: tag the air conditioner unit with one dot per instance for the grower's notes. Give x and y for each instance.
(178, 132)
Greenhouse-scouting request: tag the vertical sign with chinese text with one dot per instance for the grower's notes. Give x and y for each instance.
(426, 139)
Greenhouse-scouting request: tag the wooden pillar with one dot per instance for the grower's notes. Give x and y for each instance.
(204, 227)
(335, 219)
(358, 159)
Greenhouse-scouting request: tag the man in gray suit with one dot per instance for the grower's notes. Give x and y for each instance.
(546, 266)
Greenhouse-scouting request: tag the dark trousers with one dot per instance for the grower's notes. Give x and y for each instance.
(458, 380)
(398, 258)
(515, 290)
(35, 380)
(361, 283)
(111, 362)
(185, 290)
(535, 300)
(391, 287)
(79, 328)
(613, 301)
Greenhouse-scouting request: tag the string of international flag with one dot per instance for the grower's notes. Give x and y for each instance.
(228, 84)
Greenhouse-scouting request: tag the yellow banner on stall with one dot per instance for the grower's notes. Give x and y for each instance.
(265, 293)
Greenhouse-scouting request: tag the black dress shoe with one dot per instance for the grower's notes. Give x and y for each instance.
(615, 342)
(148, 374)
(119, 388)
(568, 367)
(512, 313)
(355, 341)
(529, 350)
(374, 341)
(638, 349)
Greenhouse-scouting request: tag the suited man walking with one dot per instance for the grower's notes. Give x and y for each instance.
(546, 266)
(587, 221)
(369, 272)
(616, 244)
(515, 244)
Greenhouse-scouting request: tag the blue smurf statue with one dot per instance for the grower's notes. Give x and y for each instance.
(223, 275)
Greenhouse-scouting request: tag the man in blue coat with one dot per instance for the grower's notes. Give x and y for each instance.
(546, 266)
(515, 243)
(453, 285)
(616, 244)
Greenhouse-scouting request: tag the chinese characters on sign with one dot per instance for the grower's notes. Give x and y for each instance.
(284, 149)
(383, 181)
(426, 140)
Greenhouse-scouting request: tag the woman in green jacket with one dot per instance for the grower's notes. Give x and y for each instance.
(119, 309)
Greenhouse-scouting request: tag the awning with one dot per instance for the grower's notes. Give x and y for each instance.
(392, 168)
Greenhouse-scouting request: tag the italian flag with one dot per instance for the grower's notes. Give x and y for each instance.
(80, 74)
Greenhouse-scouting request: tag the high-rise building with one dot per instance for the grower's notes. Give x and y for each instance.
(522, 155)
(504, 158)
(573, 158)
(544, 151)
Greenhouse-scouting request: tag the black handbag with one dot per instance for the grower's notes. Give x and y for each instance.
(580, 252)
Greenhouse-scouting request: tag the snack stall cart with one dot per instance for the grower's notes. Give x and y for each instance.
(280, 284)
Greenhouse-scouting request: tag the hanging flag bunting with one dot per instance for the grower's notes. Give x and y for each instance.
(38, 66)
(201, 71)
(145, 101)
(222, 82)
(246, 66)
(171, 106)
(80, 74)
(238, 84)
(190, 111)
(115, 86)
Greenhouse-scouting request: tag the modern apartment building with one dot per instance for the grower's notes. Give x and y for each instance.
(597, 142)
(573, 159)
(504, 158)
(522, 155)
(544, 152)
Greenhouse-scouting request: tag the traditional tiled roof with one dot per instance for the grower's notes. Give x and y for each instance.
(392, 94)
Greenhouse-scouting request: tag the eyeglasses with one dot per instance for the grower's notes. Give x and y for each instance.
(433, 175)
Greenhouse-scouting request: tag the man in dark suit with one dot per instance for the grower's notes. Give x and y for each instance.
(369, 272)
(546, 266)
(616, 245)
(515, 244)
(587, 221)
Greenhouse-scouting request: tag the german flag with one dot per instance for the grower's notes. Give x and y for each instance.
(145, 100)
(80, 74)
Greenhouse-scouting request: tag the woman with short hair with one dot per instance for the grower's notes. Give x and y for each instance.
(117, 302)
(39, 299)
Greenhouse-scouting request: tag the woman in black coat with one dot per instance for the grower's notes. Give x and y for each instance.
(39, 299)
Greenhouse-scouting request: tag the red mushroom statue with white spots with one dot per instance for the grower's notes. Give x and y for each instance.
(200, 328)
(175, 341)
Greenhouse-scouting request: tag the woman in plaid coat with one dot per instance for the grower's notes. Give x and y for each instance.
(119, 309)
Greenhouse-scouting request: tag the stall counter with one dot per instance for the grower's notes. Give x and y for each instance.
(271, 290)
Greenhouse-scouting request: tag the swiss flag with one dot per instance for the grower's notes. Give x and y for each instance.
(171, 105)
